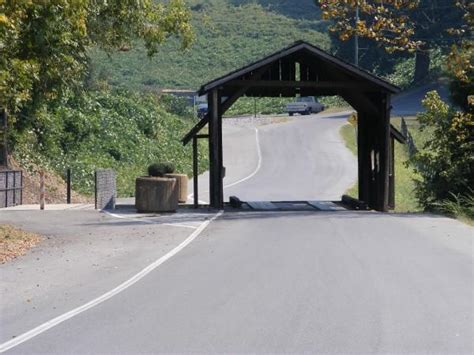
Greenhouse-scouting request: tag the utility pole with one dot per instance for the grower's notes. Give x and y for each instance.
(356, 38)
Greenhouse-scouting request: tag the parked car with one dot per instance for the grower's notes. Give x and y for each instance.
(202, 110)
(305, 105)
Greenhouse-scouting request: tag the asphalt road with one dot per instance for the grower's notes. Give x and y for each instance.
(298, 158)
(314, 282)
(409, 103)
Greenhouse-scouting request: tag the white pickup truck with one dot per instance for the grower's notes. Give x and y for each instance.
(305, 105)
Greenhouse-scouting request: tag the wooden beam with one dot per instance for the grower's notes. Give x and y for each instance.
(200, 125)
(363, 155)
(302, 84)
(224, 106)
(232, 99)
(383, 151)
(360, 102)
(396, 134)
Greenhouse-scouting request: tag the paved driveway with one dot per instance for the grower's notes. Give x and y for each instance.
(319, 282)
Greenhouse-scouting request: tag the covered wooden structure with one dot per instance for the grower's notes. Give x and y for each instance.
(306, 70)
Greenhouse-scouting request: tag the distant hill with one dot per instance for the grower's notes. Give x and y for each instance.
(230, 33)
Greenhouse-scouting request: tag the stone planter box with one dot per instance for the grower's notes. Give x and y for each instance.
(156, 194)
(182, 184)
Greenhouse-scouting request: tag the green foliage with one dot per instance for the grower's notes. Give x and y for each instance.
(43, 44)
(404, 70)
(160, 169)
(124, 131)
(386, 23)
(461, 69)
(177, 105)
(403, 25)
(445, 161)
(459, 205)
(260, 105)
(274, 105)
(229, 34)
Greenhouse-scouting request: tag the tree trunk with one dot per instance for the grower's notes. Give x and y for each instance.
(422, 66)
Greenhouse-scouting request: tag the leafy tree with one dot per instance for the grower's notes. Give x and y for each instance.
(407, 25)
(385, 22)
(461, 61)
(44, 44)
(446, 160)
(433, 20)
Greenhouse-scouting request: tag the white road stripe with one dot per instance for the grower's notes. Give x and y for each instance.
(259, 164)
(148, 221)
(64, 317)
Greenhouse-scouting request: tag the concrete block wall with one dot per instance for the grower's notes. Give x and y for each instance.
(105, 189)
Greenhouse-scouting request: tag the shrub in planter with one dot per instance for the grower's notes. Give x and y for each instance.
(157, 193)
(160, 169)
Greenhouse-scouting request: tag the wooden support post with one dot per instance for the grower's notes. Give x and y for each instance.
(195, 172)
(42, 190)
(220, 185)
(391, 195)
(211, 142)
(363, 155)
(383, 155)
(216, 186)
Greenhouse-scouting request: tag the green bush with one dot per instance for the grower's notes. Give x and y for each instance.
(274, 105)
(459, 205)
(121, 130)
(445, 161)
(177, 105)
(160, 169)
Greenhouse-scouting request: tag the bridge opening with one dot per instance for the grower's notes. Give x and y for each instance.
(305, 70)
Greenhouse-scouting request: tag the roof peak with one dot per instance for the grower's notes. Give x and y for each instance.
(289, 50)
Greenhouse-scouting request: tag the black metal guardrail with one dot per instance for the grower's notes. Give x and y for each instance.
(11, 188)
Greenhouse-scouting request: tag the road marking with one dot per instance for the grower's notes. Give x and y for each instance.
(123, 286)
(259, 165)
(148, 221)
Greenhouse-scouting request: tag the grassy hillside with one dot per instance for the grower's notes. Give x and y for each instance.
(229, 34)
(120, 130)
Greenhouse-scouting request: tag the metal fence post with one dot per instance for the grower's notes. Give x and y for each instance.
(6, 188)
(95, 189)
(68, 186)
(42, 190)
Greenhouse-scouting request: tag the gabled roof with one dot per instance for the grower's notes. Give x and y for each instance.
(309, 48)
